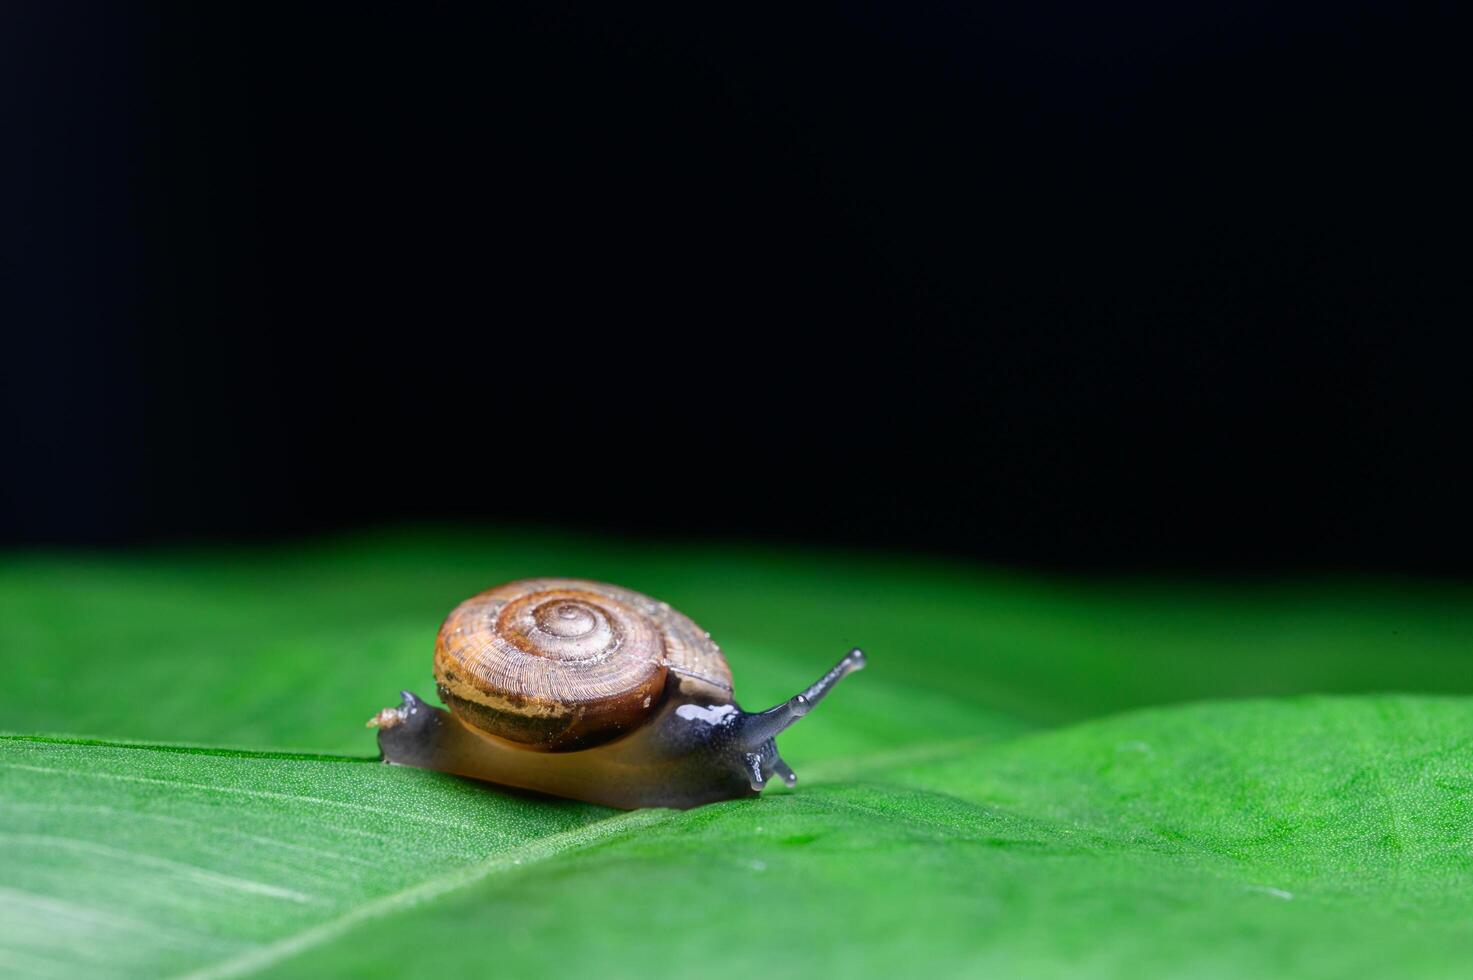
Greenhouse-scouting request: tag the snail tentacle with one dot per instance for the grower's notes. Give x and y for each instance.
(766, 725)
(786, 774)
(848, 664)
(754, 771)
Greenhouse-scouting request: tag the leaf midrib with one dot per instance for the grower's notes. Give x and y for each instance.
(532, 853)
(519, 858)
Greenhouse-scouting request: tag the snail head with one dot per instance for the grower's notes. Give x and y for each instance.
(756, 733)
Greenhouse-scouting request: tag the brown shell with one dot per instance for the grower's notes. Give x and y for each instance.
(560, 664)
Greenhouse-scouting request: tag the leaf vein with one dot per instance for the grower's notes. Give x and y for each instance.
(548, 847)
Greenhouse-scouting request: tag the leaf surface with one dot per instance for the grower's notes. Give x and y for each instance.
(1315, 837)
(171, 858)
(988, 798)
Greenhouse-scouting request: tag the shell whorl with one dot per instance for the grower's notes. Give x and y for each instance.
(560, 664)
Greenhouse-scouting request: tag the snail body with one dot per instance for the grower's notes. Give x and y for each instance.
(593, 692)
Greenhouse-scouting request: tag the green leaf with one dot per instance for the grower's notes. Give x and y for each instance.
(974, 803)
(172, 858)
(1319, 837)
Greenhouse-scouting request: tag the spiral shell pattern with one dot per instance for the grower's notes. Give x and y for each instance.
(560, 664)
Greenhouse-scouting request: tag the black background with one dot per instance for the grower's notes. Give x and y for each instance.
(1067, 284)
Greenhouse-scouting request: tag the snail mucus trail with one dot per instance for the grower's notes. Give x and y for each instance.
(593, 692)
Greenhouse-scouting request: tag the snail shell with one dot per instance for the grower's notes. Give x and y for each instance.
(591, 691)
(560, 664)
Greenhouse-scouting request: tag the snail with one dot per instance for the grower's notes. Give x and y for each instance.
(594, 692)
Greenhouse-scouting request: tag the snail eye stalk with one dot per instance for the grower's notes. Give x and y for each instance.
(756, 732)
(764, 726)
